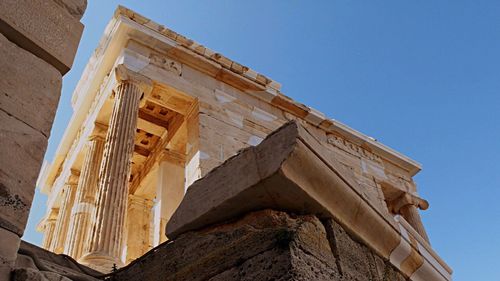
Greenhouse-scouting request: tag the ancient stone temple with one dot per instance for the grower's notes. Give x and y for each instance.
(159, 119)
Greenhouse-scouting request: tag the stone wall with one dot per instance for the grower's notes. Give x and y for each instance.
(263, 245)
(38, 41)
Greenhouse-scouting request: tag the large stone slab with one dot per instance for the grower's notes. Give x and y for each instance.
(291, 171)
(29, 87)
(44, 28)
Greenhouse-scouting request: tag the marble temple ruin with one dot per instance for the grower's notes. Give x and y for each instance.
(171, 141)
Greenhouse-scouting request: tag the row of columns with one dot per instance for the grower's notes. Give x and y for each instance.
(90, 224)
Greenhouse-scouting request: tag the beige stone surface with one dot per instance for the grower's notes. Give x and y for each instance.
(44, 28)
(29, 87)
(26, 111)
(38, 41)
(138, 222)
(21, 153)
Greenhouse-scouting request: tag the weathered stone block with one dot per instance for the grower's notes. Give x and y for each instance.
(43, 27)
(75, 7)
(21, 153)
(30, 87)
(8, 251)
(255, 247)
(30, 274)
(263, 245)
(271, 265)
(34, 262)
(355, 259)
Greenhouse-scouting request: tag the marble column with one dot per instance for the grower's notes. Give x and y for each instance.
(138, 222)
(106, 241)
(83, 209)
(407, 205)
(62, 223)
(48, 229)
(411, 215)
(169, 191)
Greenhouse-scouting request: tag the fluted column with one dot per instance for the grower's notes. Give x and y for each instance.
(411, 215)
(106, 241)
(407, 205)
(138, 223)
(62, 223)
(48, 229)
(83, 209)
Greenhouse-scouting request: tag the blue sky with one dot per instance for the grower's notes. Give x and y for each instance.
(420, 76)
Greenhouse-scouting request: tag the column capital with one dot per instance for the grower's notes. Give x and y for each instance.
(99, 131)
(172, 156)
(52, 216)
(125, 75)
(407, 199)
(73, 178)
(140, 201)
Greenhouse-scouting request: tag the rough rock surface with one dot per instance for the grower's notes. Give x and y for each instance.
(34, 263)
(263, 245)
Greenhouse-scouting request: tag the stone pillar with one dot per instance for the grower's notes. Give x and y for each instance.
(83, 209)
(411, 215)
(106, 241)
(48, 229)
(169, 191)
(62, 223)
(138, 221)
(407, 205)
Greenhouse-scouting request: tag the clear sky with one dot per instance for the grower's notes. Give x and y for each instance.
(422, 77)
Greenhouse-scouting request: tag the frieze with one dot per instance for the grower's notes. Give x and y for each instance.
(165, 63)
(352, 148)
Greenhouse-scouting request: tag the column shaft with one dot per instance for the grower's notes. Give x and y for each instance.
(138, 222)
(48, 233)
(106, 242)
(83, 210)
(61, 227)
(169, 191)
(411, 215)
